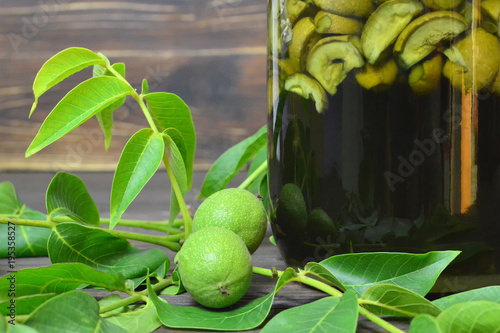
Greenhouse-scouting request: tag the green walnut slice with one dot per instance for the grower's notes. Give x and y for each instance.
(385, 24)
(356, 8)
(378, 77)
(303, 37)
(424, 34)
(425, 77)
(495, 87)
(491, 8)
(330, 60)
(329, 23)
(442, 4)
(456, 57)
(294, 8)
(490, 18)
(481, 52)
(307, 87)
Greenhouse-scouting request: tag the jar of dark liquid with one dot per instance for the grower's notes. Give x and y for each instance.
(384, 129)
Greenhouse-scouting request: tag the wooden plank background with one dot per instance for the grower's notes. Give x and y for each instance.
(211, 53)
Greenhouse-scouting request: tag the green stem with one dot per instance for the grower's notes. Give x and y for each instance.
(319, 285)
(124, 302)
(188, 222)
(137, 97)
(20, 319)
(137, 296)
(167, 241)
(260, 170)
(265, 272)
(162, 226)
(379, 321)
(28, 223)
(145, 110)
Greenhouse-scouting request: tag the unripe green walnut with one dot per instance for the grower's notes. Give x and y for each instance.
(291, 213)
(237, 210)
(215, 267)
(320, 227)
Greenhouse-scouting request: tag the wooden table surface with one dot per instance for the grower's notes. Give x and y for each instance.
(152, 204)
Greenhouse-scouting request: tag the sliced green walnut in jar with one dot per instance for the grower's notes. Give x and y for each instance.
(329, 23)
(308, 88)
(442, 4)
(355, 8)
(385, 24)
(295, 8)
(378, 77)
(490, 16)
(330, 60)
(481, 51)
(425, 76)
(495, 86)
(425, 34)
(304, 35)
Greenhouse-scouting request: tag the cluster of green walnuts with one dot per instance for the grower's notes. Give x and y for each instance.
(215, 263)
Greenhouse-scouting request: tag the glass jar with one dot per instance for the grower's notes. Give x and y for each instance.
(384, 129)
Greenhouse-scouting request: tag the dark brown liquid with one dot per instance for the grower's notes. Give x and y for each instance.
(393, 171)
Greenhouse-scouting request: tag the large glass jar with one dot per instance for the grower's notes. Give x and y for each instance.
(384, 128)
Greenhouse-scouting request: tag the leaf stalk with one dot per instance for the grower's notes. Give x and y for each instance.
(251, 178)
(188, 222)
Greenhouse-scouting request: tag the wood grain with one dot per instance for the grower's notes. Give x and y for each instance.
(211, 53)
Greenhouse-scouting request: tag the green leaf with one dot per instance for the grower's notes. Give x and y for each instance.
(478, 316)
(424, 323)
(491, 294)
(231, 162)
(80, 104)
(71, 242)
(60, 66)
(392, 300)
(329, 314)
(179, 170)
(30, 241)
(321, 272)
(9, 201)
(170, 111)
(99, 70)
(19, 328)
(105, 117)
(36, 285)
(74, 311)
(245, 317)
(139, 319)
(158, 274)
(415, 272)
(259, 158)
(139, 161)
(145, 87)
(177, 137)
(67, 195)
(176, 288)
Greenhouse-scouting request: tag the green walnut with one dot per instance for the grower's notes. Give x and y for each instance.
(291, 213)
(320, 227)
